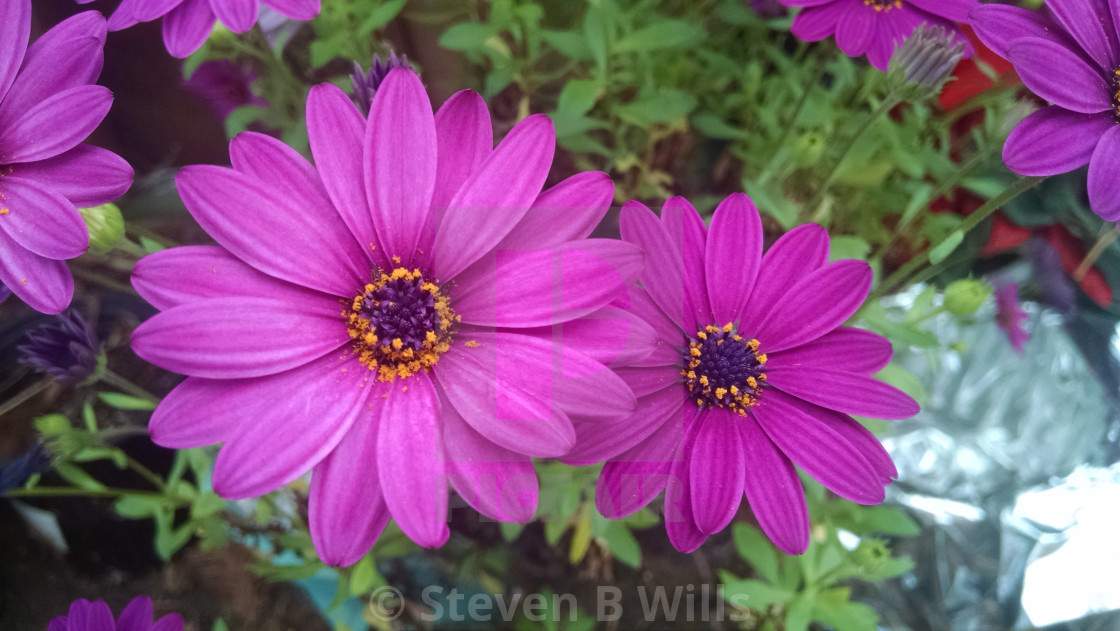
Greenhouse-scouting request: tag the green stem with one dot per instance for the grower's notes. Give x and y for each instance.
(1108, 235)
(24, 395)
(887, 105)
(1023, 184)
(147, 473)
(73, 491)
(114, 379)
(101, 279)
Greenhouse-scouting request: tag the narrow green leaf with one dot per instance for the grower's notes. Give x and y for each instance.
(659, 36)
(946, 247)
(125, 402)
(757, 550)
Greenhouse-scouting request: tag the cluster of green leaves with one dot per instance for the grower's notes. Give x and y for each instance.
(790, 592)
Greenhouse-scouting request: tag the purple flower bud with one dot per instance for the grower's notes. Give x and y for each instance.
(366, 84)
(67, 349)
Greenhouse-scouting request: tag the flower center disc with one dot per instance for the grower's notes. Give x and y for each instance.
(722, 369)
(1116, 93)
(400, 324)
(883, 5)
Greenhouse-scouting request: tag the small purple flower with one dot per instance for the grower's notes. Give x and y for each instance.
(366, 84)
(1070, 57)
(1010, 316)
(385, 317)
(96, 616)
(48, 106)
(875, 27)
(187, 23)
(16, 472)
(224, 86)
(751, 374)
(67, 349)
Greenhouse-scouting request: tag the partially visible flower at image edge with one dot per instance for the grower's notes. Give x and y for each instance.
(403, 294)
(1071, 58)
(1010, 316)
(187, 23)
(875, 27)
(96, 616)
(48, 106)
(752, 373)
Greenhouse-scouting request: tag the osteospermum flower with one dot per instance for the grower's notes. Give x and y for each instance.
(66, 349)
(386, 317)
(1071, 58)
(96, 616)
(875, 27)
(187, 23)
(47, 108)
(752, 373)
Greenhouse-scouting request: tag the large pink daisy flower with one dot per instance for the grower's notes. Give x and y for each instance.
(387, 316)
(96, 616)
(48, 106)
(875, 27)
(187, 23)
(752, 373)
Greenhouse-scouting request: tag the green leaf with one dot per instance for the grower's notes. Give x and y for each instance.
(946, 247)
(713, 126)
(751, 593)
(381, 14)
(567, 43)
(169, 541)
(887, 520)
(467, 36)
(125, 402)
(848, 247)
(138, 507)
(578, 96)
(757, 550)
(581, 538)
(206, 504)
(665, 106)
(666, 34)
(510, 530)
(776, 205)
(89, 417)
(622, 544)
(834, 609)
(800, 612)
(219, 625)
(77, 477)
(52, 425)
(364, 576)
(150, 246)
(595, 34)
(903, 380)
(240, 118)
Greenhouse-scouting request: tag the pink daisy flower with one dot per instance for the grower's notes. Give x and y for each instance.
(48, 106)
(187, 23)
(875, 27)
(386, 317)
(751, 374)
(96, 616)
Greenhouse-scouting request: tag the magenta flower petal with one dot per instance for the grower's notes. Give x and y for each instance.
(636, 476)
(733, 257)
(137, 615)
(854, 32)
(1054, 140)
(148, 10)
(223, 338)
(689, 235)
(91, 616)
(491, 399)
(604, 441)
(200, 412)
(817, 22)
(823, 453)
(44, 284)
(15, 30)
(466, 138)
(610, 336)
(716, 471)
(774, 491)
(410, 462)
(1058, 75)
(497, 482)
(213, 273)
(1089, 23)
(273, 232)
(669, 333)
(495, 197)
(647, 380)
(568, 211)
(335, 129)
(862, 439)
(170, 622)
(400, 162)
(238, 15)
(346, 509)
(858, 350)
(86, 175)
(793, 256)
(820, 302)
(185, 28)
(525, 289)
(302, 10)
(663, 276)
(680, 521)
(997, 25)
(1104, 183)
(55, 124)
(63, 58)
(843, 391)
(954, 10)
(290, 426)
(41, 220)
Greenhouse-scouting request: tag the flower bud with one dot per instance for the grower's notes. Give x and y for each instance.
(366, 84)
(922, 64)
(963, 297)
(105, 224)
(808, 148)
(67, 349)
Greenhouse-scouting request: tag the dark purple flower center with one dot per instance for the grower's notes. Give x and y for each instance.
(400, 324)
(723, 369)
(883, 5)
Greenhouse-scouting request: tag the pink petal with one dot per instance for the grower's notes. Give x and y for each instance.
(493, 400)
(495, 197)
(843, 391)
(1060, 76)
(302, 10)
(633, 478)
(400, 162)
(280, 235)
(1104, 185)
(817, 304)
(670, 337)
(55, 124)
(148, 10)
(228, 338)
(137, 615)
(86, 175)
(346, 509)
(863, 440)
(41, 221)
(410, 461)
(67, 56)
(774, 491)
(822, 452)
(689, 235)
(568, 211)
(793, 256)
(294, 420)
(662, 277)
(597, 442)
(170, 622)
(15, 30)
(1054, 140)
(733, 258)
(853, 350)
(1089, 22)
(497, 482)
(818, 22)
(200, 412)
(997, 25)
(855, 30)
(238, 15)
(611, 336)
(954, 10)
(44, 284)
(186, 27)
(90, 616)
(193, 273)
(680, 523)
(716, 471)
(647, 380)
